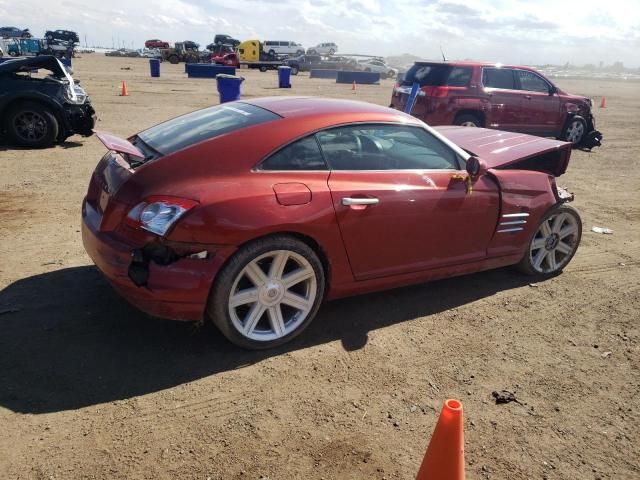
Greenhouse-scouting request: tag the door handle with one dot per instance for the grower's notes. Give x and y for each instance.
(528, 97)
(347, 201)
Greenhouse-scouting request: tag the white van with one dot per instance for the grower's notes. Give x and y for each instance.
(277, 47)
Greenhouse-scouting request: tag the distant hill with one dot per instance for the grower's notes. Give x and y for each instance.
(402, 62)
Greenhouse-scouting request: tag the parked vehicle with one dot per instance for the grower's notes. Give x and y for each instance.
(253, 55)
(328, 48)
(305, 63)
(150, 53)
(338, 198)
(225, 40)
(64, 35)
(182, 52)
(229, 59)
(13, 32)
(156, 43)
(10, 46)
(37, 112)
(378, 65)
(275, 47)
(506, 97)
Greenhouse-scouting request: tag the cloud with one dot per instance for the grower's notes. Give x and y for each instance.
(513, 31)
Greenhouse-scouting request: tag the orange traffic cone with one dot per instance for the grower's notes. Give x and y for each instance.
(124, 92)
(444, 459)
(603, 102)
(353, 87)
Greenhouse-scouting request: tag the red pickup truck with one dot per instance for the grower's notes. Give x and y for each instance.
(491, 95)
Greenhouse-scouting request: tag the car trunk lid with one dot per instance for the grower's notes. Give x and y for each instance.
(501, 150)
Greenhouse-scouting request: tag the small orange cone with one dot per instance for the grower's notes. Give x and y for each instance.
(124, 92)
(603, 103)
(353, 87)
(444, 459)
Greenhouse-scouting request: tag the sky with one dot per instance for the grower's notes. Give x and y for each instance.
(508, 31)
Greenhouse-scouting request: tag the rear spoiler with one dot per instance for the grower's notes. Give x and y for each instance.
(118, 144)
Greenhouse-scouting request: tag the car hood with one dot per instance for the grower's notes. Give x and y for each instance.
(48, 62)
(500, 149)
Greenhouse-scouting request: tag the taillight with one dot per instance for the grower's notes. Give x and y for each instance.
(440, 92)
(158, 214)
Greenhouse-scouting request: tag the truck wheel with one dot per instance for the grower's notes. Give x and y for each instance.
(263, 68)
(300, 52)
(31, 125)
(272, 53)
(575, 130)
(294, 70)
(467, 120)
(332, 51)
(173, 59)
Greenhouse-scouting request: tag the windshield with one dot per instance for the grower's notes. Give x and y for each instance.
(192, 128)
(427, 75)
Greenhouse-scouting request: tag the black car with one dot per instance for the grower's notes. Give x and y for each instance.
(13, 32)
(64, 35)
(225, 40)
(304, 63)
(37, 112)
(191, 45)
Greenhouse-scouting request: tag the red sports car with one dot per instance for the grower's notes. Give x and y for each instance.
(252, 213)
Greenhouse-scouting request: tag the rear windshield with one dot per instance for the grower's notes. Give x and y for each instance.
(194, 127)
(436, 75)
(427, 75)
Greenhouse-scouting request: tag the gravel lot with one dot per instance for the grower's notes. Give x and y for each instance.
(91, 388)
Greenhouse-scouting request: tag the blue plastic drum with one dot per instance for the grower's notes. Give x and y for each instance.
(228, 87)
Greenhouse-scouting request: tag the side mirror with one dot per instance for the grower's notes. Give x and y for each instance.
(476, 167)
(552, 90)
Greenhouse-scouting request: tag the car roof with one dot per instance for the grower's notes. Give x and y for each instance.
(301, 107)
(470, 63)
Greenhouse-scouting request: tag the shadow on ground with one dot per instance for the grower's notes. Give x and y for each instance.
(68, 341)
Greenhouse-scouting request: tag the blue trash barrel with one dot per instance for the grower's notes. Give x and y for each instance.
(228, 87)
(154, 66)
(284, 77)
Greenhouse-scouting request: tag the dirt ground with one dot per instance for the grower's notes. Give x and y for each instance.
(91, 388)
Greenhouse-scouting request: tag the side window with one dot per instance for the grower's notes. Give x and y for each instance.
(385, 147)
(300, 155)
(498, 78)
(531, 82)
(459, 77)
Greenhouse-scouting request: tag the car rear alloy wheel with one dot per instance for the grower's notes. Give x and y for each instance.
(554, 243)
(575, 130)
(268, 293)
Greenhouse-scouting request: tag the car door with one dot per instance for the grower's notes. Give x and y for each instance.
(540, 104)
(504, 98)
(401, 201)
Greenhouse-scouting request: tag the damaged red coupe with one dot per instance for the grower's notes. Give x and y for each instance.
(252, 213)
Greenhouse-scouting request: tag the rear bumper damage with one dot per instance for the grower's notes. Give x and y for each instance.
(158, 280)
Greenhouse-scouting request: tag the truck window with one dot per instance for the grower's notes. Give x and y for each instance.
(459, 77)
(498, 78)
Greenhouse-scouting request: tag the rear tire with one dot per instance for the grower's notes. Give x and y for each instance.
(31, 125)
(267, 293)
(467, 120)
(294, 70)
(173, 59)
(554, 243)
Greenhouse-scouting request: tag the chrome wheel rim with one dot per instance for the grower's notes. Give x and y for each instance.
(554, 243)
(575, 131)
(30, 126)
(272, 295)
(467, 124)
